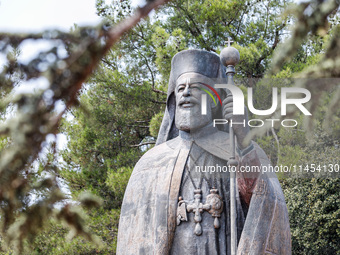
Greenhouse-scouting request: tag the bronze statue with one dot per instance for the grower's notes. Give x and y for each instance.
(176, 201)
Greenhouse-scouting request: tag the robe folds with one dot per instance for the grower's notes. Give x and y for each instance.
(148, 214)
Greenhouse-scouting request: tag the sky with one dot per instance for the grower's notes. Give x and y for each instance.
(36, 15)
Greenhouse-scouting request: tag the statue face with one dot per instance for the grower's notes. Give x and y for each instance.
(188, 102)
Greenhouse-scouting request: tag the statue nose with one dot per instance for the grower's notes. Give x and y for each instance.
(186, 91)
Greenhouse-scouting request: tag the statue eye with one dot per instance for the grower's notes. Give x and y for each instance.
(181, 88)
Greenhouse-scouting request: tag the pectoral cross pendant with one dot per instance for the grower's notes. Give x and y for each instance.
(198, 208)
(214, 206)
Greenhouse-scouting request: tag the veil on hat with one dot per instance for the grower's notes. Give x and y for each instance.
(197, 61)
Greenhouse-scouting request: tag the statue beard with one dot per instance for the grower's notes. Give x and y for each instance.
(191, 119)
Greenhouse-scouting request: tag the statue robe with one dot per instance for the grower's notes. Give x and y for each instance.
(204, 171)
(148, 215)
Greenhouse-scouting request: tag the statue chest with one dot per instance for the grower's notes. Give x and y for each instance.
(202, 211)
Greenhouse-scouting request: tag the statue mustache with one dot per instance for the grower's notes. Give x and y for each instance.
(191, 100)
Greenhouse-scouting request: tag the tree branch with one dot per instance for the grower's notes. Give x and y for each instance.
(159, 91)
(278, 145)
(142, 144)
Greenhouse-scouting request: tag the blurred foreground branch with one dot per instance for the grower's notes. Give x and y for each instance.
(321, 78)
(36, 115)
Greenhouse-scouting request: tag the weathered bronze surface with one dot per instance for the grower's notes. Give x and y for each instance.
(168, 208)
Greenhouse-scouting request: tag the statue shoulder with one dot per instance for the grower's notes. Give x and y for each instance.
(156, 156)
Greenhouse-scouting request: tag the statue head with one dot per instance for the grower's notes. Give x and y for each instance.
(190, 69)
